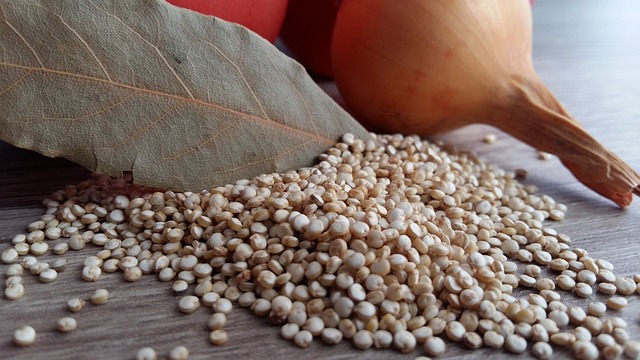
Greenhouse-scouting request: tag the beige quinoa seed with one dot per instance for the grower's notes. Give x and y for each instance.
(179, 353)
(617, 302)
(26, 336)
(75, 304)
(66, 324)
(146, 353)
(100, 296)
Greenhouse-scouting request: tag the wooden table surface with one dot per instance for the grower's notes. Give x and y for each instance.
(587, 52)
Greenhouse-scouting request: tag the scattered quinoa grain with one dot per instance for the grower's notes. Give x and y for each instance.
(188, 304)
(91, 273)
(596, 309)
(14, 291)
(75, 304)
(146, 353)
(583, 290)
(47, 276)
(607, 288)
(625, 285)
(66, 324)
(100, 296)
(489, 138)
(617, 303)
(223, 305)
(14, 270)
(59, 264)
(289, 330)
(60, 248)
(218, 337)
(604, 340)
(179, 353)
(26, 336)
(543, 155)
(9, 256)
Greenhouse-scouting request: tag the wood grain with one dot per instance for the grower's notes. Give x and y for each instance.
(585, 51)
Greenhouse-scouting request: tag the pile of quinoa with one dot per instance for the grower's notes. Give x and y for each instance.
(389, 242)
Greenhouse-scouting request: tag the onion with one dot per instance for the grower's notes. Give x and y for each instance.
(429, 66)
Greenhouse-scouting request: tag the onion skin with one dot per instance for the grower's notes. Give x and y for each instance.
(430, 66)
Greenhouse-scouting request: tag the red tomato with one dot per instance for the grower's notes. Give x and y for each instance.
(261, 16)
(307, 31)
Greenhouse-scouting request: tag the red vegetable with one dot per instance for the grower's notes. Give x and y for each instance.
(264, 17)
(307, 33)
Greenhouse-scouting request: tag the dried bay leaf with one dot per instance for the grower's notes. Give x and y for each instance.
(183, 100)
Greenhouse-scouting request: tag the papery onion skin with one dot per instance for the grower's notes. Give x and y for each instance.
(430, 66)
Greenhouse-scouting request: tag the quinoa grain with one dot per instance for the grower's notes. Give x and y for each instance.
(66, 324)
(26, 336)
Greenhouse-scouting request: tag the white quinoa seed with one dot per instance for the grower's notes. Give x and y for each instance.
(146, 353)
(60, 248)
(217, 321)
(332, 336)
(542, 350)
(24, 336)
(218, 337)
(489, 138)
(617, 303)
(576, 315)
(625, 286)
(14, 291)
(585, 350)
(604, 340)
(47, 276)
(289, 330)
(581, 333)
(223, 305)
(66, 324)
(188, 304)
(179, 353)
(596, 309)
(632, 349)
(9, 256)
(404, 341)
(515, 344)
(303, 338)
(99, 297)
(59, 264)
(434, 346)
(14, 270)
(363, 339)
(91, 273)
(563, 339)
(612, 352)
(75, 304)
(382, 339)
